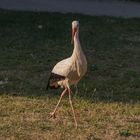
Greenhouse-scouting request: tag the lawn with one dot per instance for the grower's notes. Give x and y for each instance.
(108, 100)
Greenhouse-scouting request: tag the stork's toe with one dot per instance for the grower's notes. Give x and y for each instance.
(52, 115)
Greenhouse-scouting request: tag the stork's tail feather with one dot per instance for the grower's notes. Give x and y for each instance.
(53, 79)
(47, 86)
(49, 75)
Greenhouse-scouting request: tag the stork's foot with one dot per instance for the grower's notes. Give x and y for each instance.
(52, 115)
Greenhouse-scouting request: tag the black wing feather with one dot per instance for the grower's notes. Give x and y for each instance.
(53, 79)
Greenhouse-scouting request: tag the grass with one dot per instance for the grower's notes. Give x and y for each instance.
(108, 101)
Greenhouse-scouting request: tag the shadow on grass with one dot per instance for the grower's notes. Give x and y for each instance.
(100, 91)
(28, 52)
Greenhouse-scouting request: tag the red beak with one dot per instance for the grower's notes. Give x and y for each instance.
(73, 34)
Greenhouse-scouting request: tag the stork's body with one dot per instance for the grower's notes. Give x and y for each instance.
(69, 71)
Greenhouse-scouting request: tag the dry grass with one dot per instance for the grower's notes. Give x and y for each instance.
(27, 118)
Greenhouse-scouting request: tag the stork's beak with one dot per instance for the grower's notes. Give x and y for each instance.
(73, 34)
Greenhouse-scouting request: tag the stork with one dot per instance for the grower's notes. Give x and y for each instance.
(69, 71)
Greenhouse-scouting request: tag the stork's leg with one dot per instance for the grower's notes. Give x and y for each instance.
(72, 108)
(52, 114)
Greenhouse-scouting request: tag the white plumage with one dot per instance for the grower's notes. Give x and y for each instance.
(69, 71)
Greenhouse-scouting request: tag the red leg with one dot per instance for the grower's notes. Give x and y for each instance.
(72, 108)
(52, 114)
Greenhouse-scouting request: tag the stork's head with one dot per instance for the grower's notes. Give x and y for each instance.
(75, 27)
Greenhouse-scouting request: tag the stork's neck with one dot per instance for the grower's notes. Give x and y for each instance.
(77, 51)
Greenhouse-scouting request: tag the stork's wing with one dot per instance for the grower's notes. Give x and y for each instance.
(60, 71)
(53, 79)
(63, 67)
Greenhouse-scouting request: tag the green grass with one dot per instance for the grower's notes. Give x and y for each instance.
(108, 101)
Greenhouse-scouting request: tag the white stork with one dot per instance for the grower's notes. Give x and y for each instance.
(69, 71)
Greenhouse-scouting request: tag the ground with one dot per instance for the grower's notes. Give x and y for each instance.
(108, 101)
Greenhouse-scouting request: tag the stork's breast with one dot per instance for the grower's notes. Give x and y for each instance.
(76, 72)
(81, 67)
